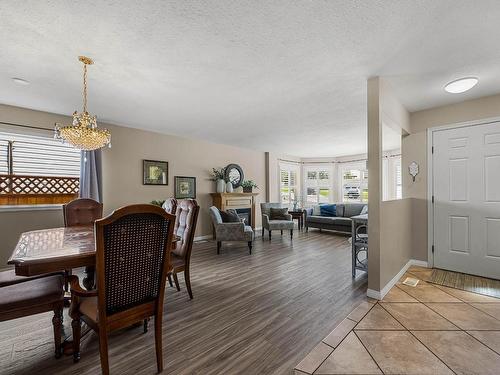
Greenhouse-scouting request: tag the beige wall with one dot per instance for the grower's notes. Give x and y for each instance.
(414, 148)
(122, 168)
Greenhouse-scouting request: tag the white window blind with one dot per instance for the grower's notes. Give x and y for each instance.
(38, 156)
(318, 184)
(354, 183)
(288, 183)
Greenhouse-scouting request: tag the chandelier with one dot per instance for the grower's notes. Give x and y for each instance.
(84, 134)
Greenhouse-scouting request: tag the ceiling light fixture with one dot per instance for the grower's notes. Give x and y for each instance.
(461, 85)
(20, 81)
(84, 134)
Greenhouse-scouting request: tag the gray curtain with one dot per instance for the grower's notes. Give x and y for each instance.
(91, 175)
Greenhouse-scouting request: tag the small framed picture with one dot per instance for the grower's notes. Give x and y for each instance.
(185, 187)
(155, 172)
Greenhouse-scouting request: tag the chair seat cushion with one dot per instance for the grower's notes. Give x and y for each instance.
(176, 260)
(248, 233)
(280, 224)
(42, 291)
(9, 277)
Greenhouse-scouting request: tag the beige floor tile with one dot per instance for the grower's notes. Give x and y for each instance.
(349, 358)
(419, 268)
(408, 274)
(398, 352)
(488, 338)
(421, 273)
(462, 353)
(314, 359)
(418, 316)
(492, 309)
(398, 295)
(465, 316)
(379, 319)
(359, 312)
(338, 334)
(428, 293)
(468, 296)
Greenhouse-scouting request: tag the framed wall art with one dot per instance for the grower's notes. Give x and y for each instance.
(185, 187)
(155, 172)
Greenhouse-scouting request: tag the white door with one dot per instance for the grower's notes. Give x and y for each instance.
(466, 189)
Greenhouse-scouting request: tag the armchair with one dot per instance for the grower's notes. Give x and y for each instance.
(230, 231)
(270, 225)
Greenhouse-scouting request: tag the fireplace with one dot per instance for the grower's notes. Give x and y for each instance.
(243, 203)
(245, 213)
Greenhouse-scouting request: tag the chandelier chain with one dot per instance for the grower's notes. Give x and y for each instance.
(84, 88)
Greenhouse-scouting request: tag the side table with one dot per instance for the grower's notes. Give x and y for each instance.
(299, 215)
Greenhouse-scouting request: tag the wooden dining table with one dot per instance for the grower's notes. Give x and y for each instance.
(58, 249)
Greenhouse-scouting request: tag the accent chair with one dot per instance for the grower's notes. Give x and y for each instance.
(230, 231)
(270, 225)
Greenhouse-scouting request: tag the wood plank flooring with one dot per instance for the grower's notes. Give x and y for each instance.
(251, 314)
(470, 283)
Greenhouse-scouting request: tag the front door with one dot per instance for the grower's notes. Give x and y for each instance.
(466, 188)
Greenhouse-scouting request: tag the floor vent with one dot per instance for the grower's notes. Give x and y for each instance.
(410, 281)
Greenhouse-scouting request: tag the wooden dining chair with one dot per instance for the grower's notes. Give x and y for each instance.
(186, 218)
(133, 247)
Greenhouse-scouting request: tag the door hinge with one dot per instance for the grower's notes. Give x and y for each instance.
(433, 199)
(432, 249)
(432, 149)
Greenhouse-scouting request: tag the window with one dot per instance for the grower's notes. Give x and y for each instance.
(37, 170)
(354, 182)
(392, 179)
(318, 184)
(288, 183)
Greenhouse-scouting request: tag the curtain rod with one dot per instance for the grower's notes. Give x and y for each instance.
(25, 126)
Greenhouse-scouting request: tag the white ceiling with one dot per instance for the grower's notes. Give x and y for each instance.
(282, 75)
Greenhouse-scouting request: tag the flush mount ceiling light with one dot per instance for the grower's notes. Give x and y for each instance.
(20, 81)
(461, 85)
(84, 134)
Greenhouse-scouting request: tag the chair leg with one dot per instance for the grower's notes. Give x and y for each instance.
(291, 233)
(57, 323)
(219, 244)
(67, 274)
(250, 247)
(146, 322)
(282, 232)
(176, 281)
(269, 235)
(158, 343)
(262, 233)
(75, 324)
(187, 279)
(103, 350)
(170, 280)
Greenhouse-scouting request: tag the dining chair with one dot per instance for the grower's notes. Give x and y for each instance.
(186, 217)
(24, 296)
(133, 247)
(80, 212)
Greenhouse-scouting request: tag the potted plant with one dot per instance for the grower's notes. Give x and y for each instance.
(218, 176)
(248, 185)
(158, 202)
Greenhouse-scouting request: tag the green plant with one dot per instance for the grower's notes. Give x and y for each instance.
(158, 202)
(218, 174)
(249, 184)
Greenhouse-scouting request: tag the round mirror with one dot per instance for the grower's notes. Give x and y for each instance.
(234, 174)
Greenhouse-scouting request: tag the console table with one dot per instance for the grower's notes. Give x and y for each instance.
(359, 241)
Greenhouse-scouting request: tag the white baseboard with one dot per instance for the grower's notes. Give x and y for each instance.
(381, 294)
(257, 232)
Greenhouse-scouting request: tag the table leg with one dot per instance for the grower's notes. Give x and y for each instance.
(353, 248)
(89, 279)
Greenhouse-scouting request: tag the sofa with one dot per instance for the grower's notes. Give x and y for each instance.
(340, 223)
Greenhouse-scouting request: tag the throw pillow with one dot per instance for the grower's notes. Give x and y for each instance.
(364, 210)
(278, 213)
(329, 210)
(230, 216)
(316, 210)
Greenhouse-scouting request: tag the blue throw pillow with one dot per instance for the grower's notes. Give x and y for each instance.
(328, 210)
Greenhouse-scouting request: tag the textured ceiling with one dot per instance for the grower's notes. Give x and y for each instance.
(287, 76)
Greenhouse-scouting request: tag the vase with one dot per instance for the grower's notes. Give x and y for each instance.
(229, 187)
(221, 186)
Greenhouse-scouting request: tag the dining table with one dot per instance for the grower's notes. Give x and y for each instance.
(57, 249)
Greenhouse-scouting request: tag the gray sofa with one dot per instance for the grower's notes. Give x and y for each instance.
(339, 223)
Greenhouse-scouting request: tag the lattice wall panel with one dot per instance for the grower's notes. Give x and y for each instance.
(16, 184)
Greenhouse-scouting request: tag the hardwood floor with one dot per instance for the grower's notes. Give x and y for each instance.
(470, 283)
(251, 314)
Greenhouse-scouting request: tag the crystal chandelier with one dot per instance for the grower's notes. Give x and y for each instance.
(84, 133)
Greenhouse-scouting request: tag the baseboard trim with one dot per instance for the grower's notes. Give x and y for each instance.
(381, 294)
(257, 232)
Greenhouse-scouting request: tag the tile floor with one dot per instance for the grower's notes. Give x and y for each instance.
(427, 329)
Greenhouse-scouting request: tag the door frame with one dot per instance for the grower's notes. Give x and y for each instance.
(430, 176)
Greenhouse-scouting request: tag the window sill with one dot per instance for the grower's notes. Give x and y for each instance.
(34, 207)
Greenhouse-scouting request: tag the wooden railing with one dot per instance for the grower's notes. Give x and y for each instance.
(21, 190)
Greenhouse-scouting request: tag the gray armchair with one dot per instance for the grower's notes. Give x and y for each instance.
(271, 225)
(230, 231)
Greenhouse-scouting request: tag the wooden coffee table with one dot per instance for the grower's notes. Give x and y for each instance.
(299, 215)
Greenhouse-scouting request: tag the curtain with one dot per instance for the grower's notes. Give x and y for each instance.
(91, 175)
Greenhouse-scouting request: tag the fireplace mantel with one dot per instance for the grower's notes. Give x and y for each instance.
(224, 201)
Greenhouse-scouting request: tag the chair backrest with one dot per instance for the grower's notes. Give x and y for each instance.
(170, 205)
(186, 218)
(81, 211)
(132, 257)
(215, 215)
(265, 207)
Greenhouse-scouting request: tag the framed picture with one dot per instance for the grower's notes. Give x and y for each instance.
(185, 187)
(155, 172)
